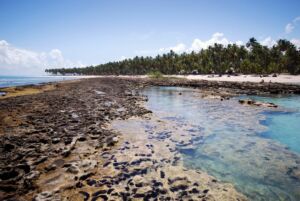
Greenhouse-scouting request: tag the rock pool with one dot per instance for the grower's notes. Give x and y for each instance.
(256, 149)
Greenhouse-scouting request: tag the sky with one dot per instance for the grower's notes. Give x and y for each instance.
(39, 34)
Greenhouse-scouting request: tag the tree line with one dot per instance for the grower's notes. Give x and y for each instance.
(283, 57)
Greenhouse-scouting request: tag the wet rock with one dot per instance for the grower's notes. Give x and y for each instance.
(162, 174)
(85, 176)
(33, 175)
(51, 167)
(194, 190)
(59, 163)
(142, 191)
(79, 184)
(55, 140)
(257, 103)
(47, 196)
(40, 160)
(25, 167)
(179, 187)
(294, 173)
(91, 182)
(8, 188)
(206, 191)
(10, 174)
(112, 141)
(96, 194)
(67, 141)
(8, 147)
(110, 191)
(73, 169)
(106, 164)
(81, 138)
(86, 195)
(157, 183)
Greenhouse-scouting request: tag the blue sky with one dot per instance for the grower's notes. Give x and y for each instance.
(37, 34)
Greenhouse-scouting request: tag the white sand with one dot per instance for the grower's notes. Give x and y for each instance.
(283, 78)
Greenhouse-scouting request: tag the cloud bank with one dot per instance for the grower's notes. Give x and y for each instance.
(198, 44)
(18, 61)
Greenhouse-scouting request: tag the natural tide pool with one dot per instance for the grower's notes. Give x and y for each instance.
(256, 149)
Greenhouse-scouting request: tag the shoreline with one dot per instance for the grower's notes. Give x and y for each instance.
(58, 142)
(234, 84)
(280, 78)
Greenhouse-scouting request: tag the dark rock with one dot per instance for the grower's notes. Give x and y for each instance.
(85, 176)
(7, 175)
(162, 174)
(85, 194)
(194, 190)
(55, 140)
(206, 191)
(91, 182)
(110, 190)
(25, 167)
(72, 169)
(67, 141)
(139, 185)
(79, 185)
(50, 168)
(96, 194)
(82, 138)
(40, 160)
(8, 147)
(180, 187)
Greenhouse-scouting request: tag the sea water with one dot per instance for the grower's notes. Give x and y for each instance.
(256, 149)
(9, 81)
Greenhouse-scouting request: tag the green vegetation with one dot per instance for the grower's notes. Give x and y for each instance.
(155, 74)
(283, 57)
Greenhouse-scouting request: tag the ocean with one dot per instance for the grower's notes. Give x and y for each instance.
(9, 81)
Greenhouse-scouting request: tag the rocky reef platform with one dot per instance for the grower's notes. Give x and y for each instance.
(58, 144)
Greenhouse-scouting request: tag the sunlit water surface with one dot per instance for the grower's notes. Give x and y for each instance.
(256, 149)
(9, 81)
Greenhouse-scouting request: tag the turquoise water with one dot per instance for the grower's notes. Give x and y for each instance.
(8, 81)
(256, 149)
(283, 126)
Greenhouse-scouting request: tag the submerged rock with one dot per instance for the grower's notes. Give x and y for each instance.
(257, 103)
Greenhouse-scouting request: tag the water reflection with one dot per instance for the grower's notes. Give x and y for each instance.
(256, 149)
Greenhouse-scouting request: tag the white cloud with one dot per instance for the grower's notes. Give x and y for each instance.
(122, 58)
(239, 43)
(269, 42)
(289, 28)
(15, 60)
(216, 38)
(198, 44)
(180, 48)
(297, 19)
(296, 42)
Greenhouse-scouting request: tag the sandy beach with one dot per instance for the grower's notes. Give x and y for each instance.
(285, 79)
(281, 78)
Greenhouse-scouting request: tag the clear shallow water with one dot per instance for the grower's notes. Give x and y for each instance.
(283, 126)
(8, 81)
(255, 149)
